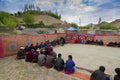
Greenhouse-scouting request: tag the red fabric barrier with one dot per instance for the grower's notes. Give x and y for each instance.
(1, 49)
(9, 45)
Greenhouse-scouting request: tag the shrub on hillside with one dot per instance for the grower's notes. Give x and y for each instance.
(108, 27)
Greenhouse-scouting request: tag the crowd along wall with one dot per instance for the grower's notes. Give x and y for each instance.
(9, 45)
(107, 38)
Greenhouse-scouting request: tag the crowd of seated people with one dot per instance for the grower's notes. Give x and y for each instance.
(92, 42)
(114, 44)
(44, 55)
(97, 42)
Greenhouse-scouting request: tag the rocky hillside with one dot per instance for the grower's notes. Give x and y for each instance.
(47, 20)
(116, 23)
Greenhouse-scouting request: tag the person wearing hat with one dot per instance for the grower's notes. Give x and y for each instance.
(117, 77)
(21, 53)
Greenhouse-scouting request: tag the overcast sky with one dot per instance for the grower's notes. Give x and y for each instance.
(81, 12)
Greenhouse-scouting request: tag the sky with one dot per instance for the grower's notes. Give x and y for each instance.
(81, 12)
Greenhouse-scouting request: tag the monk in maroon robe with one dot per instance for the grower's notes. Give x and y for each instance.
(35, 56)
(29, 55)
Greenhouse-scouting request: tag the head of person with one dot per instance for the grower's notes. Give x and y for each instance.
(26, 46)
(117, 70)
(102, 68)
(70, 57)
(42, 51)
(51, 49)
(37, 43)
(31, 45)
(32, 50)
(59, 55)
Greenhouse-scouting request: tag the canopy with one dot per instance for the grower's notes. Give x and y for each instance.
(72, 29)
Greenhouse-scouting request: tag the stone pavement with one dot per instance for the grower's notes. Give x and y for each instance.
(90, 57)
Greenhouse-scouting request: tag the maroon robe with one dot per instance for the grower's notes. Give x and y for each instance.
(35, 57)
(29, 56)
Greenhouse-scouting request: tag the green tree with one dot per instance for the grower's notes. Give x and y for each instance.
(28, 18)
(10, 23)
(108, 27)
(74, 25)
(2, 15)
(1, 23)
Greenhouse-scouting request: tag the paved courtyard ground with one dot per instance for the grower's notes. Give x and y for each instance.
(92, 56)
(85, 56)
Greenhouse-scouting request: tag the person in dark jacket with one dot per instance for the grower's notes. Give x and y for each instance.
(52, 53)
(117, 77)
(69, 66)
(59, 63)
(31, 47)
(26, 49)
(21, 53)
(99, 74)
(62, 41)
(36, 46)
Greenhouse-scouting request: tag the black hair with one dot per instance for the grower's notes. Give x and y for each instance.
(59, 55)
(51, 49)
(70, 57)
(117, 70)
(102, 68)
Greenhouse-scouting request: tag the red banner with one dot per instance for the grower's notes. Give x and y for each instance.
(1, 49)
(9, 45)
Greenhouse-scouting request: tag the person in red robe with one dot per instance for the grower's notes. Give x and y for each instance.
(35, 56)
(29, 55)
